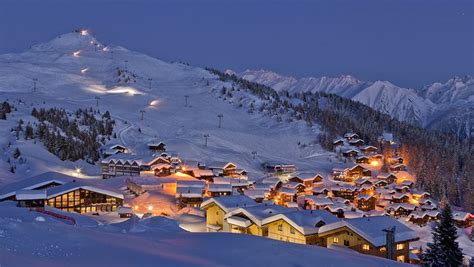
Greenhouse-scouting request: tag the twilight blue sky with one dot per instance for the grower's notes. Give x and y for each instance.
(408, 42)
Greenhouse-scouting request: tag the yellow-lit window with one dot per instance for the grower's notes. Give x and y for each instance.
(292, 230)
(400, 246)
(280, 227)
(383, 249)
(401, 258)
(335, 240)
(365, 247)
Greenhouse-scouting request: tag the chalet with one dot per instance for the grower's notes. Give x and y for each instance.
(390, 178)
(357, 171)
(238, 185)
(337, 209)
(398, 168)
(420, 195)
(351, 136)
(361, 181)
(256, 194)
(379, 183)
(188, 196)
(362, 159)
(297, 226)
(320, 190)
(113, 150)
(345, 191)
(273, 183)
(307, 179)
(249, 219)
(202, 174)
(400, 198)
(368, 150)
(387, 137)
(463, 219)
(366, 202)
(223, 168)
(162, 169)
(279, 168)
(421, 218)
(217, 208)
(369, 235)
(157, 146)
(366, 189)
(395, 160)
(62, 192)
(128, 164)
(400, 209)
(217, 190)
(401, 188)
(285, 195)
(338, 142)
(409, 184)
(125, 212)
(316, 202)
(339, 174)
(350, 153)
(356, 142)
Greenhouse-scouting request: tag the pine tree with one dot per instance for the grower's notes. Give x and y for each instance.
(444, 251)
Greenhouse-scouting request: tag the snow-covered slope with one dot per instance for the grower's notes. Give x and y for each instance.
(32, 239)
(441, 106)
(73, 69)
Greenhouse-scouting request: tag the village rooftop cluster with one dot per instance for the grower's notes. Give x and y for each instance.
(354, 207)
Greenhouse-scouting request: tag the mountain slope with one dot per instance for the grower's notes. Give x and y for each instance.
(438, 106)
(128, 82)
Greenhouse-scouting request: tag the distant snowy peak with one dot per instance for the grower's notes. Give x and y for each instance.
(402, 103)
(345, 85)
(455, 89)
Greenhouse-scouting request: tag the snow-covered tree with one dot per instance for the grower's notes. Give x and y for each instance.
(444, 251)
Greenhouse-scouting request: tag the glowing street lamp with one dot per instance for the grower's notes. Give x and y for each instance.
(83, 32)
(150, 207)
(78, 170)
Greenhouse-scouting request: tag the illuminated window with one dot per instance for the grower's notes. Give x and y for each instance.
(335, 240)
(365, 247)
(292, 230)
(401, 258)
(280, 227)
(383, 249)
(400, 246)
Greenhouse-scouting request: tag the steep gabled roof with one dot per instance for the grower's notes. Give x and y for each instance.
(229, 203)
(35, 182)
(372, 229)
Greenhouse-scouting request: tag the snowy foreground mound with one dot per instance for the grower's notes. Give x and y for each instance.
(30, 239)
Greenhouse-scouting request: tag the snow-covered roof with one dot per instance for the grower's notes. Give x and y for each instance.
(462, 215)
(189, 192)
(30, 194)
(258, 213)
(202, 172)
(125, 210)
(372, 229)
(232, 181)
(364, 197)
(35, 182)
(220, 164)
(255, 193)
(319, 201)
(228, 203)
(406, 206)
(197, 184)
(219, 187)
(304, 221)
(65, 188)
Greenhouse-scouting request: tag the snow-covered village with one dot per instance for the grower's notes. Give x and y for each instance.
(112, 157)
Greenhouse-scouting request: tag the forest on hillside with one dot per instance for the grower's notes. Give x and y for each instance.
(442, 162)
